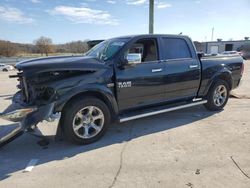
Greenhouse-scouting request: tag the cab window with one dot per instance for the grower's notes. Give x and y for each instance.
(175, 48)
(146, 48)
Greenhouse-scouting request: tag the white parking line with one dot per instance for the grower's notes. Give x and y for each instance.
(30, 165)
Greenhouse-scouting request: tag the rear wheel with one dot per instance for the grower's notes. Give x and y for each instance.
(85, 120)
(5, 70)
(217, 96)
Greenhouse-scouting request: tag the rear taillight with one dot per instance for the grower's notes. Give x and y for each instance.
(242, 69)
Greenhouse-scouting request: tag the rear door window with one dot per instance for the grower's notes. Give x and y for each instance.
(175, 48)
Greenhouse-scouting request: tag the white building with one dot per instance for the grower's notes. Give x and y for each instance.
(220, 46)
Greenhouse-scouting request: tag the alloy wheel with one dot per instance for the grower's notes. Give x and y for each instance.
(220, 95)
(88, 122)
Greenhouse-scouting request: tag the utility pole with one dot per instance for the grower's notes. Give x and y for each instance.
(212, 37)
(151, 16)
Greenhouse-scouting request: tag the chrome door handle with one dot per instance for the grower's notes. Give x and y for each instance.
(156, 70)
(193, 66)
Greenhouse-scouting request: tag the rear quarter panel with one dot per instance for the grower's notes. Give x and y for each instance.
(214, 67)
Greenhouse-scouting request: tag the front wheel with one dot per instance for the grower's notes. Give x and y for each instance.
(85, 121)
(217, 96)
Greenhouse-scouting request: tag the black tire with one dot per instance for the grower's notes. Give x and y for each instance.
(211, 104)
(5, 70)
(70, 112)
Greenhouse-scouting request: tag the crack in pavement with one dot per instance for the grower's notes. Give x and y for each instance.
(121, 156)
(236, 164)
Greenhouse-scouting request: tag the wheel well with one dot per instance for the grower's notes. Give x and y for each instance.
(97, 95)
(226, 78)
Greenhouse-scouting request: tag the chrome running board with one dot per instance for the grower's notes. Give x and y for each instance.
(161, 111)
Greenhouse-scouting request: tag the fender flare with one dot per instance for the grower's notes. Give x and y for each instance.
(224, 74)
(101, 90)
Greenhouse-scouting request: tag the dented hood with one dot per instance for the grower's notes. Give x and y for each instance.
(60, 63)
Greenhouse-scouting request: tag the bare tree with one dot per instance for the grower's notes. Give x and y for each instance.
(77, 47)
(8, 49)
(44, 45)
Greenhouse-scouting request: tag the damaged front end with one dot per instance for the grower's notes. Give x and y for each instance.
(44, 86)
(33, 103)
(26, 110)
(24, 118)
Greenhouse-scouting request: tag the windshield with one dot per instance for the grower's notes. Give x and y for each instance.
(106, 49)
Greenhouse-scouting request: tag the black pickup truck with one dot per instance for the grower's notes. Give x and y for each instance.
(120, 79)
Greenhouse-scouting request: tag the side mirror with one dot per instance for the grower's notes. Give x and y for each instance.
(200, 55)
(133, 58)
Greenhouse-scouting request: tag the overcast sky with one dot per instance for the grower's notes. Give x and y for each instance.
(67, 20)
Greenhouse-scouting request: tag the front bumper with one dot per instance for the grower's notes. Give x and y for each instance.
(25, 117)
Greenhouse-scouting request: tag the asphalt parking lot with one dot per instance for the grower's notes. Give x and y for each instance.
(186, 148)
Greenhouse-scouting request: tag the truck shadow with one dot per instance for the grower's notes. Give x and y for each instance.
(16, 155)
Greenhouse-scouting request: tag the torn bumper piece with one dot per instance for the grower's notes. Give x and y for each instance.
(24, 118)
(17, 115)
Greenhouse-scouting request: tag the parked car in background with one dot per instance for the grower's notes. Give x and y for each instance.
(233, 53)
(229, 52)
(208, 55)
(6, 68)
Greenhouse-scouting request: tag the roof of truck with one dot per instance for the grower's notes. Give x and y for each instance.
(154, 35)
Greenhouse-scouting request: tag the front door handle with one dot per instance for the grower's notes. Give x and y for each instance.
(156, 70)
(193, 66)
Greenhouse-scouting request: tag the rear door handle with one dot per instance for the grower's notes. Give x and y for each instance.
(156, 70)
(193, 66)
